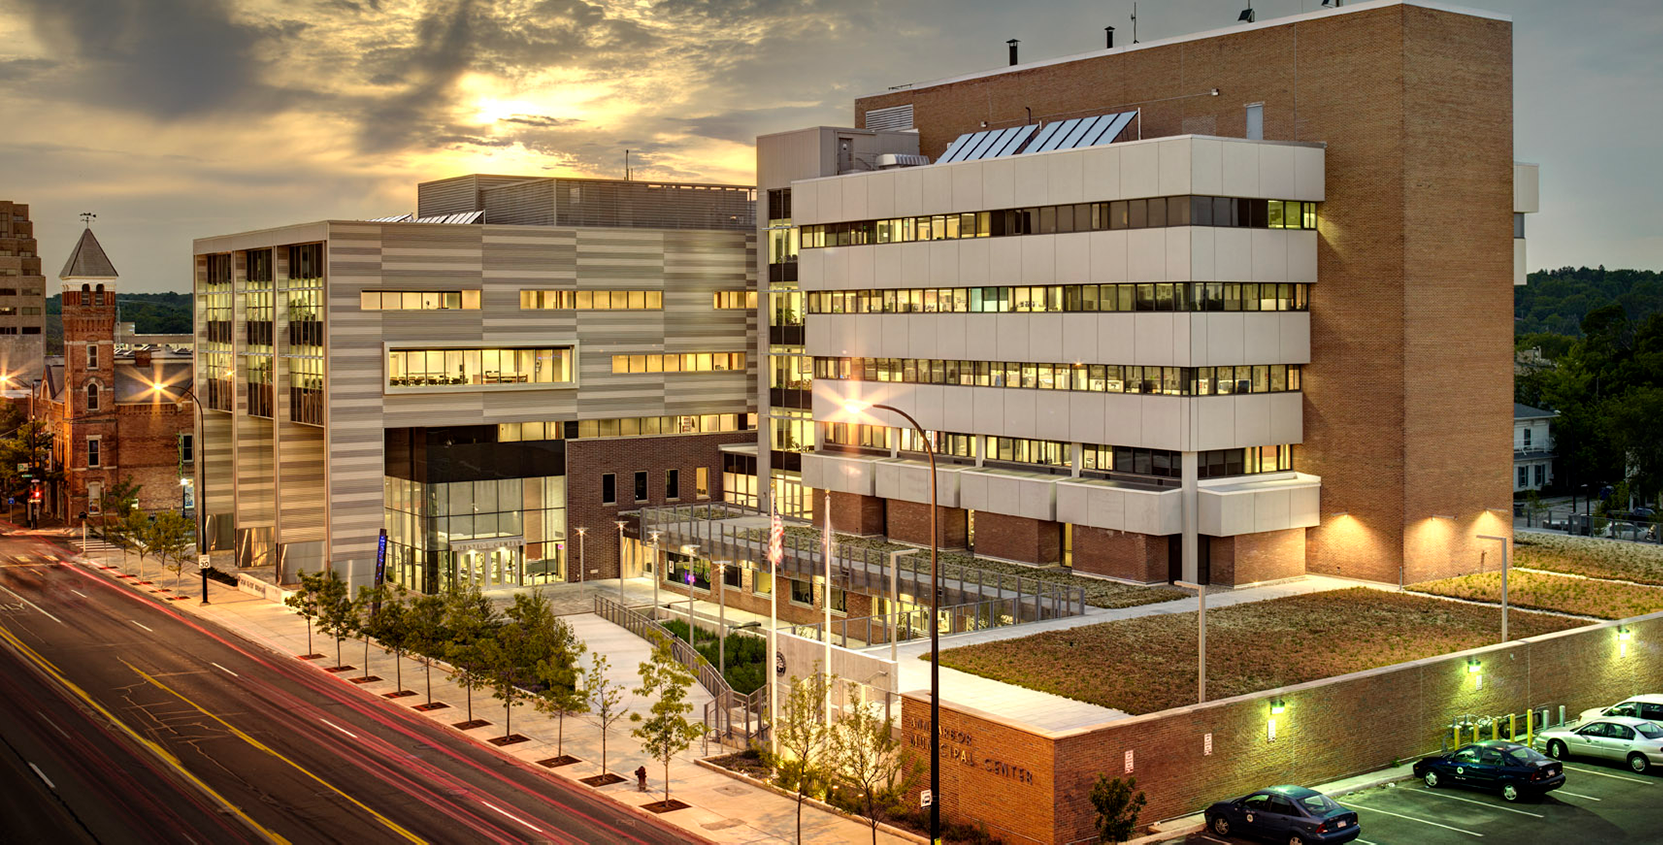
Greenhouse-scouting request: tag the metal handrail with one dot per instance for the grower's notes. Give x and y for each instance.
(858, 566)
(718, 713)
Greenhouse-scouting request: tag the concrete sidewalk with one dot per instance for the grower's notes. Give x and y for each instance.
(723, 809)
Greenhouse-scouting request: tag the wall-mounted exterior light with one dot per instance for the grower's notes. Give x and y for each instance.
(1277, 707)
(1476, 670)
(1443, 516)
(1624, 634)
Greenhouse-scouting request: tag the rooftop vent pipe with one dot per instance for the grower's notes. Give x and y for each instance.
(1109, 30)
(1013, 42)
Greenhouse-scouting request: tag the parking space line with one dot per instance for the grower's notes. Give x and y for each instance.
(1471, 801)
(1575, 795)
(1411, 818)
(1609, 775)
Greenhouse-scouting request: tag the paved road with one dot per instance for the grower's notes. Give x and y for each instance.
(147, 726)
(1600, 804)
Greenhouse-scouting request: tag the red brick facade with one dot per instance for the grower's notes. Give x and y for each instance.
(1120, 554)
(1407, 392)
(1018, 538)
(1252, 558)
(909, 522)
(138, 438)
(862, 516)
(588, 460)
(1328, 730)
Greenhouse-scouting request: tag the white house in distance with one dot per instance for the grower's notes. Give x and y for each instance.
(1532, 448)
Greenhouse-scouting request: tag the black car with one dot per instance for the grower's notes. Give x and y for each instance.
(1291, 814)
(1513, 769)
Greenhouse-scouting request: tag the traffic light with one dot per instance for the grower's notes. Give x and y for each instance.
(36, 492)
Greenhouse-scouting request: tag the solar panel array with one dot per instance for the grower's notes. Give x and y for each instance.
(1069, 134)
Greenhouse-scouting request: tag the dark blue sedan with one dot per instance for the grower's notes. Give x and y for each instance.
(1512, 769)
(1291, 814)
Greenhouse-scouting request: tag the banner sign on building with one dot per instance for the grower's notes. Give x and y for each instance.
(380, 569)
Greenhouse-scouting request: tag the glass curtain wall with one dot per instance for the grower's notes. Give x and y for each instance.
(440, 535)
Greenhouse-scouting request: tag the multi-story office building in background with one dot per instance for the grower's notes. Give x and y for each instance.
(1227, 307)
(22, 301)
(521, 359)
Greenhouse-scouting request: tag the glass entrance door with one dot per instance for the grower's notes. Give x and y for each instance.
(492, 569)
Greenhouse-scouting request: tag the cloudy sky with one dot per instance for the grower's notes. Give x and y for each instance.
(174, 119)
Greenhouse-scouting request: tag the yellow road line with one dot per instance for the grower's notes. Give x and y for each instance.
(161, 753)
(386, 822)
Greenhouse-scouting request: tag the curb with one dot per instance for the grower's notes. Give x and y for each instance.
(571, 783)
(812, 802)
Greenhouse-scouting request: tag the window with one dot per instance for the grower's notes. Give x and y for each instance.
(609, 489)
(733, 575)
(802, 592)
(1518, 224)
(1524, 476)
(472, 367)
(1527, 438)
(592, 300)
(839, 600)
(734, 299)
(1256, 122)
(92, 452)
(306, 261)
(641, 486)
(1184, 297)
(92, 356)
(95, 497)
(306, 390)
(686, 362)
(672, 484)
(701, 482)
(261, 400)
(92, 396)
(762, 583)
(187, 448)
(419, 300)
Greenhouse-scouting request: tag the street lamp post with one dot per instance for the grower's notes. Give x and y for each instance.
(1503, 541)
(655, 576)
(855, 408)
(621, 602)
(580, 569)
(1200, 639)
(721, 618)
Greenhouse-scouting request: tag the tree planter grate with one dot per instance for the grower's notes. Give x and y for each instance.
(606, 779)
(557, 762)
(432, 705)
(511, 739)
(403, 693)
(665, 806)
(470, 725)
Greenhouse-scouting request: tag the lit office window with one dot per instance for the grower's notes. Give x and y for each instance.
(476, 367)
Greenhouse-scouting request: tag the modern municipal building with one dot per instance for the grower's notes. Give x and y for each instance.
(1227, 308)
(518, 361)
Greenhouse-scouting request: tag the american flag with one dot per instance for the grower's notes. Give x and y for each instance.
(776, 539)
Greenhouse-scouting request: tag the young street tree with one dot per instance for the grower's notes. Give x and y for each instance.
(170, 539)
(305, 602)
(804, 739)
(559, 671)
(606, 698)
(335, 610)
(391, 628)
(509, 657)
(667, 731)
(363, 618)
(1117, 806)
(470, 620)
(425, 633)
(872, 763)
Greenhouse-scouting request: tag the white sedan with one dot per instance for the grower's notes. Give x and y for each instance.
(1637, 742)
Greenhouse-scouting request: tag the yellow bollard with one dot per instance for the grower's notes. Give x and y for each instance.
(1495, 729)
(1475, 732)
(1457, 738)
(1529, 736)
(1513, 726)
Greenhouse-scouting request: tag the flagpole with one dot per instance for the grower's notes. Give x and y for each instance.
(775, 540)
(827, 600)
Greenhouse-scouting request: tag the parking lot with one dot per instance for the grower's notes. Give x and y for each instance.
(1599, 803)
